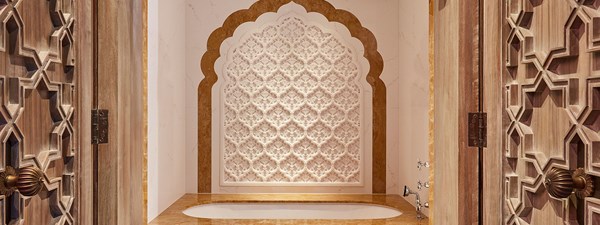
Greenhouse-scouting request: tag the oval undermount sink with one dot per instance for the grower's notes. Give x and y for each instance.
(330, 211)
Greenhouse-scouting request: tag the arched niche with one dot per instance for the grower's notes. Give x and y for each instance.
(209, 65)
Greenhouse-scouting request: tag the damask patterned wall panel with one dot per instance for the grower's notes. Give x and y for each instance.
(292, 104)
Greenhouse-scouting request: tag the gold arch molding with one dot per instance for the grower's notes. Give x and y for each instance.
(251, 14)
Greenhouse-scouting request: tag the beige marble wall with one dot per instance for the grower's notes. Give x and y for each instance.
(413, 95)
(166, 103)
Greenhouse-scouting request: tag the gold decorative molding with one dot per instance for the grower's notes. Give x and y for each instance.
(145, 108)
(251, 14)
(431, 108)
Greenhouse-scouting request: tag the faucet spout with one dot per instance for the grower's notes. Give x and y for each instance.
(408, 192)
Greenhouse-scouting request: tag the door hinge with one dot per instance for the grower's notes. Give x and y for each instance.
(99, 126)
(477, 130)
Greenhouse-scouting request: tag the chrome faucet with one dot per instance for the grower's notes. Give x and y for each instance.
(421, 164)
(420, 184)
(408, 192)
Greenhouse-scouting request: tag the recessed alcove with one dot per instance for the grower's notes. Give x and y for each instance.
(343, 109)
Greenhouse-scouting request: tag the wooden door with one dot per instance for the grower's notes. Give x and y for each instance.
(550, 101)
(44, 66)
(119, 87)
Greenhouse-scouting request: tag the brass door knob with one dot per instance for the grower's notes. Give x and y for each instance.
(29, 181)
(562, 183)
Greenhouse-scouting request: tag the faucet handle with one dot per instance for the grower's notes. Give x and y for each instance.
(419, 216)
(421, 164)
(420, 184)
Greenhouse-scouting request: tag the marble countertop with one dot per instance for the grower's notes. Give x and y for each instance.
(174, 214)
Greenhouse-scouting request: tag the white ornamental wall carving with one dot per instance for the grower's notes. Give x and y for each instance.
(291, 100)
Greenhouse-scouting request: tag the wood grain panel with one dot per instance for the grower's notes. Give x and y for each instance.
(107, 79)
(492, 95)
(446, 113)
(468, 92)
(83, 210)
(130, 124)
(120, 86)
(456, 94)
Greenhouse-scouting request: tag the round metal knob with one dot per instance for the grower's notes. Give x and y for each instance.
(562, 183)
(28, 181)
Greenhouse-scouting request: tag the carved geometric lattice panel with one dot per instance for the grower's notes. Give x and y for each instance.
(592, 211)
(37, 83)
(552, 89)
(292, 106)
